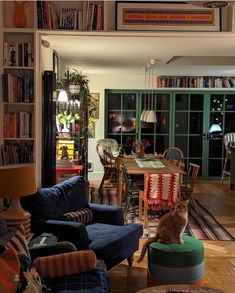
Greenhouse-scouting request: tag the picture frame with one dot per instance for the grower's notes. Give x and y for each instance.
(94, 105)
(151, 16)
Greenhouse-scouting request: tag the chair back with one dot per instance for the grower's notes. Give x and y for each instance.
(229, 140)
(193, 170)
(174, 153)
(107, 150)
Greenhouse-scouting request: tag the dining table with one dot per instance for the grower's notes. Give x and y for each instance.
(140, 166)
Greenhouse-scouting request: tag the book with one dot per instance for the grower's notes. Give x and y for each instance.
(68, 18)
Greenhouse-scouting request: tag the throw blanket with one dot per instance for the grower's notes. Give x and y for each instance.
(161, 190)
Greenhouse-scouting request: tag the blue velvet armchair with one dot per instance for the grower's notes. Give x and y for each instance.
(106, 234)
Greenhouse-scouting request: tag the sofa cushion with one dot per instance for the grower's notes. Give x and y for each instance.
(83, 216)
(52, 202)
(93, 281)
(64, 264)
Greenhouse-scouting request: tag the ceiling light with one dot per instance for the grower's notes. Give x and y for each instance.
(215, 4)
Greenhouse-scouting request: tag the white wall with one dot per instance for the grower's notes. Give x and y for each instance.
(98, 84)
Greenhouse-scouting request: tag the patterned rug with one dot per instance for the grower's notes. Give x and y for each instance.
(203, 227)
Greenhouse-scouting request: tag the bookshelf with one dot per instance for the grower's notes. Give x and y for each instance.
(195, 82)
(17, 134)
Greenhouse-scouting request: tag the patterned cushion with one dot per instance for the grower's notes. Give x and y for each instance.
(15, 238)
(83, 216)
(65, 263)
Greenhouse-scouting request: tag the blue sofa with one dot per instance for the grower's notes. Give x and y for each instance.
(106, 235)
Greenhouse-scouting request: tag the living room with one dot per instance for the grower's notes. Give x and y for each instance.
(117, 60)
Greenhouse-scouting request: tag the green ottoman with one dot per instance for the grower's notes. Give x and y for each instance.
(176, 263)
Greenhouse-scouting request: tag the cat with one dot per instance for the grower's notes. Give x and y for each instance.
(170, 227)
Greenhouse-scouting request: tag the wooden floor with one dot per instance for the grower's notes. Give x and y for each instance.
(219, 255)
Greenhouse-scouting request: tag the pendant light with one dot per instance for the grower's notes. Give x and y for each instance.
(144, 112)
(151, 117)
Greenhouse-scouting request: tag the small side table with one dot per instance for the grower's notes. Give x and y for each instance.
(73, 169)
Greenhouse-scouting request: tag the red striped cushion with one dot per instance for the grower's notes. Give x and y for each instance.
(65, 263)
(83, 216)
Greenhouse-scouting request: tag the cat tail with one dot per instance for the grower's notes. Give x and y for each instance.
(145, 247)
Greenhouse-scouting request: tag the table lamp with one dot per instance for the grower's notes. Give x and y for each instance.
(16, 182)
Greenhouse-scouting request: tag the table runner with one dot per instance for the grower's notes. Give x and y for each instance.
(146, 163)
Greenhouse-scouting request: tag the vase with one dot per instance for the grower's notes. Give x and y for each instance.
(19, 16)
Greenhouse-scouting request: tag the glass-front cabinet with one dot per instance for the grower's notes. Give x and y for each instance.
(195, 121)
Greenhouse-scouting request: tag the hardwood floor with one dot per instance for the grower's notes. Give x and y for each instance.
(219, 255)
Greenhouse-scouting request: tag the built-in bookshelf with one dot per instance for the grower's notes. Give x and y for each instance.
(72, 15)
(17, 144)
(195, 82)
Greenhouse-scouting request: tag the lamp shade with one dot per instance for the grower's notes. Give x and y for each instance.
(17, 181)
(151, 118)
(63, 97)
(215, 128)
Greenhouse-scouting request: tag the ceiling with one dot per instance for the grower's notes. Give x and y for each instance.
(176, 53)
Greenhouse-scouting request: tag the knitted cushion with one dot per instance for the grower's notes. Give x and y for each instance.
(15, 238)
(83, 216)
(65, 263)
(176, 263)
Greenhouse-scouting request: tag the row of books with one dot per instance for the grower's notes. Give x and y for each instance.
(89, 17)
(196, 82)
(16, 153)
(18, 54)
(17, 89)
(18, 125)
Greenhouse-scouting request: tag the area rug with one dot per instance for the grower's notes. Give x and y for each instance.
(203, 226)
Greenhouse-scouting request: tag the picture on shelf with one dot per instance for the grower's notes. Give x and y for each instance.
(94, 105)
(165, 16)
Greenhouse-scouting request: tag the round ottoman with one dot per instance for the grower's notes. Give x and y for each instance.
(176, 263)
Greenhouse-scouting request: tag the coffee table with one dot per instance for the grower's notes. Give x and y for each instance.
(180, 289)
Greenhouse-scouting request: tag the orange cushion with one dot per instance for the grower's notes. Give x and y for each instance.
(65, 263)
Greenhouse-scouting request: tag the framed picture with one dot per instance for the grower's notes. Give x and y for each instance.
(94, 105)
(163, 16)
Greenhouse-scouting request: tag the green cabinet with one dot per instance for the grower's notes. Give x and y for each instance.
(184, 119)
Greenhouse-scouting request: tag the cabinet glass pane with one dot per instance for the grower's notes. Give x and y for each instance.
(181, 142)
(230, 103)
(162, 125)
(148, 143)
(128, 122)
(161, 143)
(162, 101)
(181, 101)
(217, 102)
(129, 101)
(181, 122)
(114, 101)
(195, 146)
(216, 118)
(147, 128)
(196, 123)
(196, 102)
(127, 143)
(215, 145)
(114, 122)
(229, 122)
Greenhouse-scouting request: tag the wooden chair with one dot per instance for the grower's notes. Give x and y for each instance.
(131, 190)
(187, 188)
(229, 140)
(108, 161)
(174, 153)
(161, 192)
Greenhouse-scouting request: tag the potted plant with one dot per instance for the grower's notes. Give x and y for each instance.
(65, 119)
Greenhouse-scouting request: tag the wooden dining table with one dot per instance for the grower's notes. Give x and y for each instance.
(141, 166)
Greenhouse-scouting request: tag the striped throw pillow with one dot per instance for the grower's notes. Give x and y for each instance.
(83, 216)
(65, 263)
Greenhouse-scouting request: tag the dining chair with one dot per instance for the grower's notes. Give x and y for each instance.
(131, 190)
(161, 192)
(187, 187)
(173, 153)
(107, 150)
(229, 140)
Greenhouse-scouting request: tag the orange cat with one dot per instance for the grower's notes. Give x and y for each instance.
(170, 227)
